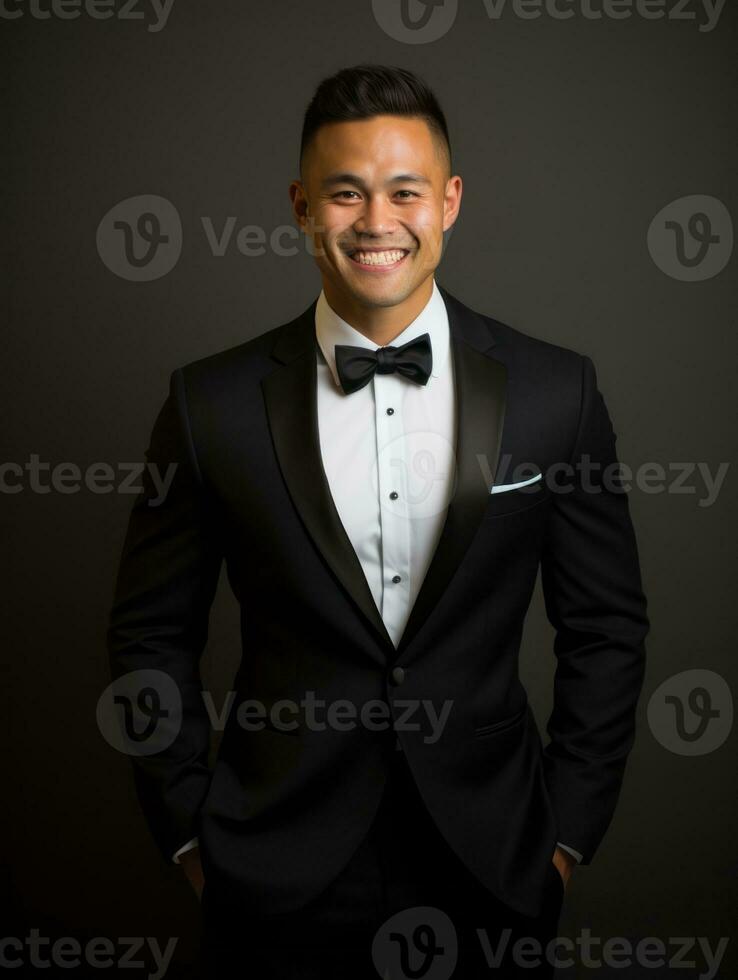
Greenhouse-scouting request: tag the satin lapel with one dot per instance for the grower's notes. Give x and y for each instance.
(481, 386)
(290, 395)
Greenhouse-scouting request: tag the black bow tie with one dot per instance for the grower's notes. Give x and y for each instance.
(357, 365)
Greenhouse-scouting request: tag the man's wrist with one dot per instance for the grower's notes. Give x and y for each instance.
(564, 862)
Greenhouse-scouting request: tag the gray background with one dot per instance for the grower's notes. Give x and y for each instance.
(570, 136)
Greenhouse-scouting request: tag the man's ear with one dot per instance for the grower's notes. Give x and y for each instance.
(299, 203)
(452, 201)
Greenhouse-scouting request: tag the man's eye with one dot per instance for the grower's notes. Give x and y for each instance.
(345, 195)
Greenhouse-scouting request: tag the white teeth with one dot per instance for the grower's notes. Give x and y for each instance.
(378, 258)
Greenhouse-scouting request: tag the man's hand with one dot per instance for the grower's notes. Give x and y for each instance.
(565, 864)
(192, 866)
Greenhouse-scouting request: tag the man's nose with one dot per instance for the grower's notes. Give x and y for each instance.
(377, 217)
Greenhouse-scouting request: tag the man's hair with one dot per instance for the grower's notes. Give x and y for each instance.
(373, 90)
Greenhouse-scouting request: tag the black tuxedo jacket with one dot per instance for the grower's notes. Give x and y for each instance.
(281, 813)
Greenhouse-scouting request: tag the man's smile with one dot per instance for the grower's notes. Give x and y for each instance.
(376, 258)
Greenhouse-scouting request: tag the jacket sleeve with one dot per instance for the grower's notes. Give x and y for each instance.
(594, 600)
(158, 623)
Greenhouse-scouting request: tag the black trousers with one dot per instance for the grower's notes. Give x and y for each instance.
(404, 908)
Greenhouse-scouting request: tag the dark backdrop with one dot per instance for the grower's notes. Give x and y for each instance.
(571, 136)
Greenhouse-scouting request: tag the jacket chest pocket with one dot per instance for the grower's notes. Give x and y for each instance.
(516, 501)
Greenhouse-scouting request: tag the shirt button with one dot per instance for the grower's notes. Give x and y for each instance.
(396, 579)
(398, 675)
(390, 411)
(394, 495)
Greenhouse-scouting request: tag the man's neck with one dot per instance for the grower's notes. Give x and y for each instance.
(381, 324)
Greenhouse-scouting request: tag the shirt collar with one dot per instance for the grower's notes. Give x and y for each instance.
(330, 330)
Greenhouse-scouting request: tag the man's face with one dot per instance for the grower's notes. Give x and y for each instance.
(375, 199)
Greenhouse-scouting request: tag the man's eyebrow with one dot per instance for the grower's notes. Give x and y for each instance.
(349, 178)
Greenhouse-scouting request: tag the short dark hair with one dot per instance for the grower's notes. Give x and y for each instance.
(373, 90)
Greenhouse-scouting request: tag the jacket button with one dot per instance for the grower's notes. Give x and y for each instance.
(398, 675)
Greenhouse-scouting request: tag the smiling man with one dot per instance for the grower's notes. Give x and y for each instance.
(383, 477)
(376, 196)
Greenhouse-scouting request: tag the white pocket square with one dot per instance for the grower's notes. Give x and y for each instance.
(504, 487)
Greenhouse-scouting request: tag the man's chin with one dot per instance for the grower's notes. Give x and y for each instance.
(379, 291)
(382, 294)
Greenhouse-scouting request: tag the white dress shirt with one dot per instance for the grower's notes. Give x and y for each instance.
(388, 451)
